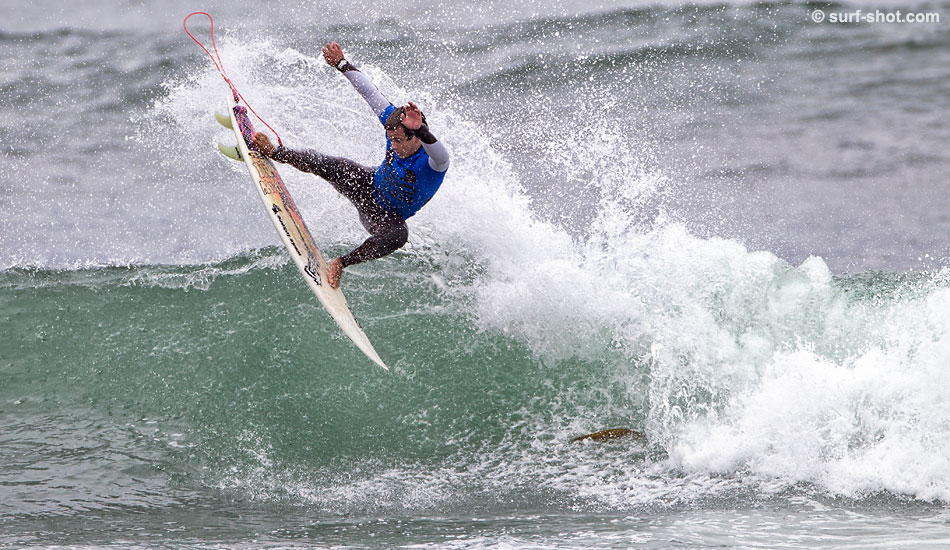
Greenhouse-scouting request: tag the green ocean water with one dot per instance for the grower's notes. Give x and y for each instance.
(236, 378)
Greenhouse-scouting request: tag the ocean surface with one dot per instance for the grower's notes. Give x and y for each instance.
(720, 224)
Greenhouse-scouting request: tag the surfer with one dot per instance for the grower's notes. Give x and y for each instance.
(384, 197)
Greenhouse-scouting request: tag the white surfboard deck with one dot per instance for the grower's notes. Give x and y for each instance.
(292, 230)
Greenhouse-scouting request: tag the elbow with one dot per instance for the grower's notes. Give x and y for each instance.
(439, 166)
(438, 156)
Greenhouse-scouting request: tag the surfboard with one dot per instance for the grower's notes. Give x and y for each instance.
(285, 215)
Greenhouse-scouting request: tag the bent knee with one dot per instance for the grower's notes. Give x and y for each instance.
(398, 235)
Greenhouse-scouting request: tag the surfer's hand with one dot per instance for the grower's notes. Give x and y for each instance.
(333, 53)
(412, 117)
(263, 144)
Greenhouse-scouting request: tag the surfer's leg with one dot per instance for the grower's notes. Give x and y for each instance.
(388, 235)
(352, 180)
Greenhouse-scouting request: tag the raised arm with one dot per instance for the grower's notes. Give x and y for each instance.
(333, 54)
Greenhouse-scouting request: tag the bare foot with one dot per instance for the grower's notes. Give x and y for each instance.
(336, 271)
(263, 144)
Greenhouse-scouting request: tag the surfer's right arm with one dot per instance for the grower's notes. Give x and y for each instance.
(333, 54)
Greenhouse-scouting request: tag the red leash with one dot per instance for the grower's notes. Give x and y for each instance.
(216, 59)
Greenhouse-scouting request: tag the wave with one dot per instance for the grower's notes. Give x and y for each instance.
(744, 372)
(508, 336)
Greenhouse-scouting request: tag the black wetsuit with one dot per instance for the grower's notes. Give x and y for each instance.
(388, 231)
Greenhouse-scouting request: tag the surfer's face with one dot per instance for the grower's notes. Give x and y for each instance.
(403, 145)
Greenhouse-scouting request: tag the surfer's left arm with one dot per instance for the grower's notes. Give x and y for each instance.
(438, 154)
(333, 54)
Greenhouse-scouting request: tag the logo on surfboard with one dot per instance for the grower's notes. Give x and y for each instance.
(310, 269)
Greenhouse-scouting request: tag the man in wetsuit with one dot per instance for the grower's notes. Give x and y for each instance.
(411, 173)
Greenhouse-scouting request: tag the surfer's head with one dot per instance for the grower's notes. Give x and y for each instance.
(404, 143)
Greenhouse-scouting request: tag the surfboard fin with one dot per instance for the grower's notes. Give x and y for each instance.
(230, 151)
(223, 120)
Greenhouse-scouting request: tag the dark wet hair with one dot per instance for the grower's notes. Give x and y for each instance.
(395, 120)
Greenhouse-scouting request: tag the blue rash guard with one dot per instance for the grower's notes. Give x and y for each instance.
(404, 185)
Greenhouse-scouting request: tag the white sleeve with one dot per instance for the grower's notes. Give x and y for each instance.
(368, 90)
(438, 156)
